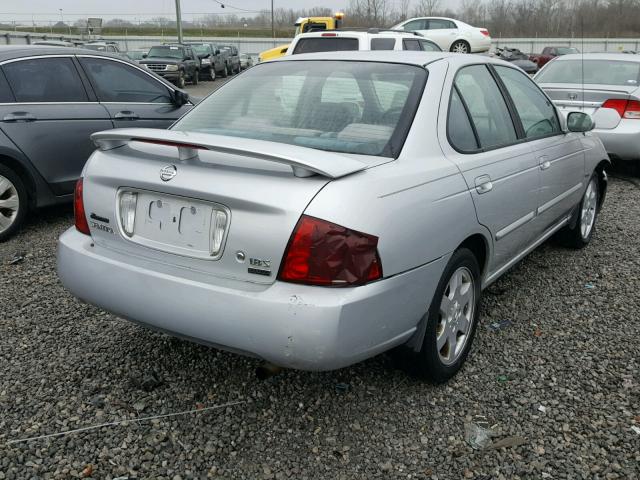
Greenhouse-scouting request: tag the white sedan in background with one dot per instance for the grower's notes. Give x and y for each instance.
(451, 35)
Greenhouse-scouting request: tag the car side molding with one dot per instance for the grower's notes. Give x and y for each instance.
(304, 162)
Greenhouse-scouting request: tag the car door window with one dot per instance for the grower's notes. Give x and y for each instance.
(459, 129)
(45, 80)
(487, 107)
(383, 43)
(5, 92)
(429, 46)
(411, 45)
(440, 24)
(118, 82)
(415, 25)
(537, 114)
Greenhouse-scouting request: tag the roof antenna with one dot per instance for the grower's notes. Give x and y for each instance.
(582, 55)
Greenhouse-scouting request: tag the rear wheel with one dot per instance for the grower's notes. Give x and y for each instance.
(13, 203)
(460, 46)
(580, 235)
(194, 78)
(451, 321)
(225, 72)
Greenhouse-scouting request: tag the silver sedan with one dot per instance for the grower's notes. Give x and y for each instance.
(322, 209)
(610, 93)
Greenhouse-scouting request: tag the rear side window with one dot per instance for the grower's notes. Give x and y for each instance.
(411, 45)
(325, 44)
(383, 43)
(487, 107)
(45, 80)
(459, 127)
(537, 114)
(440, 24)
(118, 82)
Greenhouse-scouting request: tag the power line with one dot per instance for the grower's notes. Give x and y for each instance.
(225, 5)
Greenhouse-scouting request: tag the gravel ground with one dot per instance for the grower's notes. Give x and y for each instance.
(563, 374)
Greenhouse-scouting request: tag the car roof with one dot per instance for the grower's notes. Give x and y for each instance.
(408, 57)
(346, 33)
(8, 52)
(598, 56)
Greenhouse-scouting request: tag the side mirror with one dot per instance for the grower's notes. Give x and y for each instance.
(180, 98)
(144, 55)
(580, 122)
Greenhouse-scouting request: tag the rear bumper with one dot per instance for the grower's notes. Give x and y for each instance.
(622, 142)
(295, 326)
(481, 45)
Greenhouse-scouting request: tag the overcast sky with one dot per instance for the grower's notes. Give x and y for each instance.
(47, 10)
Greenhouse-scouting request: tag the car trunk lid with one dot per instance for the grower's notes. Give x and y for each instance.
(589, 99)
(190, 187)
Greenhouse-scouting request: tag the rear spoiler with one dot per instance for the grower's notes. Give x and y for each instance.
(304, 161)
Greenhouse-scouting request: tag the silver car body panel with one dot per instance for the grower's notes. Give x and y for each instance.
(422, 206)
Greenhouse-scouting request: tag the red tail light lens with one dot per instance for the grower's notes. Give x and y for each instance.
(484, 32)
(625, 108)
(78, 210)
(322, 253)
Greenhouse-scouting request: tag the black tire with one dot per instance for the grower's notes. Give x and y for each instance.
(460, 46)
(225, 72)
(15, 188)
(212, 74)
(579, 235)
(427, 363)
(180, 82)
(195, 77)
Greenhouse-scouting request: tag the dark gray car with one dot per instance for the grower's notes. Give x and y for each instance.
(51, 100)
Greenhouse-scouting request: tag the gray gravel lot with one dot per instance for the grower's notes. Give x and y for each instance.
(572, 348)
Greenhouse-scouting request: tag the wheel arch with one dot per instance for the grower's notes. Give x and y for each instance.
(478, 244)
(603, 180)
(23, 172)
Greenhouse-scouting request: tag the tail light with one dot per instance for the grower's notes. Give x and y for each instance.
(329, 35)
(78, 209)
(625, 108)
(322, 253)
(484, 32)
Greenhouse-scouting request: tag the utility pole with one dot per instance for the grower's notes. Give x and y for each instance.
(179, 21)
(273, 31)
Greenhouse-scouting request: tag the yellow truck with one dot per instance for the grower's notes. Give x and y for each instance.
(304, 25)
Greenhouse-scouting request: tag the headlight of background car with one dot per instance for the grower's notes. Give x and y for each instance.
(172, 68)
(206, 61)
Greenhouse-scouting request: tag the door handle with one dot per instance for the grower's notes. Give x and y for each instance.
(483, 184)
(19, 117)
(126, 115)
(544, 162)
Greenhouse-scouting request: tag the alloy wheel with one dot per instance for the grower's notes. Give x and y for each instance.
(588, 210)
(9, 203)
(457, 309)
(460, 47)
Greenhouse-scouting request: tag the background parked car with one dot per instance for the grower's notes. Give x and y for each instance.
(609, 92)
(177, 63)
(516, 57)
(51, 101)
(246, 61)
(373, 39)
(549, 53)
(231, 57)
(102, 46)
(136, 55)
(450, 34)
(211, 61)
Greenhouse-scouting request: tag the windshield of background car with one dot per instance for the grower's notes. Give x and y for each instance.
(339, 106)
(325, 44)
(166, 52)
(566, 50)
(596, 72)
(201, 49)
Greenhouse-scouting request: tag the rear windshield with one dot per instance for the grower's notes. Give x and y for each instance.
(338, 106)
(166, 52)
(596, 72)
(325, 44)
